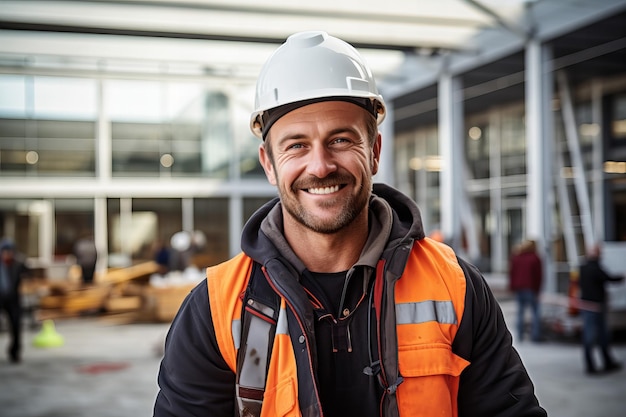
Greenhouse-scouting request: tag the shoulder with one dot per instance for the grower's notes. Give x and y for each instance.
(231, 266)
(196, 300)
(229, 276)
(436, 253)
(437, 262)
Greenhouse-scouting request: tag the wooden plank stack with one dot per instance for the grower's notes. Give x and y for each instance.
(119, 291)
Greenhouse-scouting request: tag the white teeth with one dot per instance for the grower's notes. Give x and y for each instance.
(324, 190)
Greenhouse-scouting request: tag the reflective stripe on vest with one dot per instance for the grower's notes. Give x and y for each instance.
(423, 311)
(236, 329)
(281, 327)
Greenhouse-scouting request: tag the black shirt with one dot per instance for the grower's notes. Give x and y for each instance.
(342, 345)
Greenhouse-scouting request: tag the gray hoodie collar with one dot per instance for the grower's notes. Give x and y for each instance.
(380, 224)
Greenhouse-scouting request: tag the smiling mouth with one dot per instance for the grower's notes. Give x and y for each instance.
(323, 190)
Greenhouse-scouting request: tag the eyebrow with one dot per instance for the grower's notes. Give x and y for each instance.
(344, 130)
(288, 137)
(333, 132)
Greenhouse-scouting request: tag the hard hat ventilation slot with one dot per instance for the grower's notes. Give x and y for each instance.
(357, 84)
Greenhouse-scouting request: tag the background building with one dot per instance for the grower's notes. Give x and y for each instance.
(129, 120)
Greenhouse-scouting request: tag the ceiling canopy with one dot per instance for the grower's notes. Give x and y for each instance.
(232, 38)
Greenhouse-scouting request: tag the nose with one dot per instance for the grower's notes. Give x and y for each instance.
(320, 162)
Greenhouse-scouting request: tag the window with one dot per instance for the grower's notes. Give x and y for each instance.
(47, 126)
(168, 129)
(618, 124)
(513, 148)
(477, 149)
(73, 218)
(211, 217)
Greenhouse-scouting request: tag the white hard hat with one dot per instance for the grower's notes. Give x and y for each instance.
(311, 67)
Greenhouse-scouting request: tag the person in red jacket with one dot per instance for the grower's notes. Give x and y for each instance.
(525, 276)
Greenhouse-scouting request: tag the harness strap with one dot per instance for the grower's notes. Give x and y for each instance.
(261, 307)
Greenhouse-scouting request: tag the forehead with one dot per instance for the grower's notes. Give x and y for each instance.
(327, 114)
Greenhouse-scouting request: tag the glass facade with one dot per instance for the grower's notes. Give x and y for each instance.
(73, 218)
(477, 150)
(418, 165)
(151, 152)
(614, 168)
(22, 219)
(210, 215)
(123, 130)
(47, 126)
(513, 142)
(185, 131)
(496, 158)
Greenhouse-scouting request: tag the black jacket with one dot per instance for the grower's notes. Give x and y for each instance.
(16, 270)
(195, 380)
(592, 281)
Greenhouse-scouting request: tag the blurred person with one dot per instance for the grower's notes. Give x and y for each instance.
(12, 270)
(338, 305)
(162, 256)
(86, 257)
(593, 280)
(525, 279)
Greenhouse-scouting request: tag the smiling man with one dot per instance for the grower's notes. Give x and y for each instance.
(338, 304)
(321, 160)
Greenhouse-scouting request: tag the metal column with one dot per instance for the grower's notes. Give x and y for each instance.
(125, 228)
(539, 153)
(451, 147)
(101, 234)
(187, 212)
(235, 223)
(104, 156)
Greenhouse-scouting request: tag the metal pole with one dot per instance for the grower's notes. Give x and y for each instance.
(451, 147)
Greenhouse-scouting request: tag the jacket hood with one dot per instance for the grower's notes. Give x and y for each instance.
(394, 218)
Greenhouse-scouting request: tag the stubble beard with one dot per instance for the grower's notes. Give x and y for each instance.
(353, 206)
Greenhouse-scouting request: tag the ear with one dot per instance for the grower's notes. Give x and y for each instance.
(376, 153)
(267, 165)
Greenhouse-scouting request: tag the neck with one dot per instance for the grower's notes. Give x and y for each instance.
(321, 252)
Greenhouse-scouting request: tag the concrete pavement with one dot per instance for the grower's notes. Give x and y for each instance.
(557, 370)
(107, 369)
(103, 370)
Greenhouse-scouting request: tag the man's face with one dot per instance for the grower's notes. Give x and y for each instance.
(322, 163)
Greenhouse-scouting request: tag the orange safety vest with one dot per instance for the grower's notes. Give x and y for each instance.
(429, 303)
